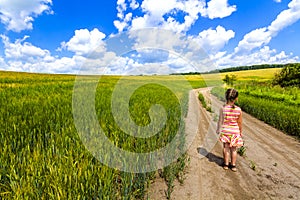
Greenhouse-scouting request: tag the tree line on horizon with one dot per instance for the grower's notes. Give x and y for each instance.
(242, 68)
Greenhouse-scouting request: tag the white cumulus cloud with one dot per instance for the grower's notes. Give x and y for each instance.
(286, 17)
(122, 24)
(262, 36)
(158, 8)
(21, 49)
(24, 56)
(255, 38)
(163, 14)
(18, 15)
(133, 4)
(121, 8)
(124, 19)
(176, 15)
(214, 40)
(264, 55)
(3, 64)
(219, 9)
(85, 42)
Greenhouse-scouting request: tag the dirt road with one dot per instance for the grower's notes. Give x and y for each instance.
(270, 169)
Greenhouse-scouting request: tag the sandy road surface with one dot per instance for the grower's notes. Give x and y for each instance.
(274, 155)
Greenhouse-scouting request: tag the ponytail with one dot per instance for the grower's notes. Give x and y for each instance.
(230, 95)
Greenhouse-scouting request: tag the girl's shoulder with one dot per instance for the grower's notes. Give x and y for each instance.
(238, 110)
(230, 107)
(237, 107)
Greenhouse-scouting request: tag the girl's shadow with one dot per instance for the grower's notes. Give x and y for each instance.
(210, 156)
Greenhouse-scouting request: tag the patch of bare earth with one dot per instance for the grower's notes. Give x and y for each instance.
(269, 170)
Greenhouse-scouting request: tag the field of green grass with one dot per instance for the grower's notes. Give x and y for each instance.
(42, 153)
(254, 75)
(206, 80)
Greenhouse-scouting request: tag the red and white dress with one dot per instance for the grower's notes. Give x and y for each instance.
(230, 131)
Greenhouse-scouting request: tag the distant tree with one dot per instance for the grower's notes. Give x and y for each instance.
(288, 76)
(229, 79)
(251, 67)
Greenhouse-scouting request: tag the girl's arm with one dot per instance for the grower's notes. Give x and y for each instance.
(221, 120)
(240, 121)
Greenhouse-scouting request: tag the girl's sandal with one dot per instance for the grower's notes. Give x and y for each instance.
(225, 166)
(233, 168)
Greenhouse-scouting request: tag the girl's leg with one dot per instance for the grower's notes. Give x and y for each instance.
(226, 154)
(233, 151)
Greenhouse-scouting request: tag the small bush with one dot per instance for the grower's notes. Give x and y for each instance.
(288, 76)
(241, 151)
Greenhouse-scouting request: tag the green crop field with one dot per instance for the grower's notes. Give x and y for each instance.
(250, 75)
(42, 154)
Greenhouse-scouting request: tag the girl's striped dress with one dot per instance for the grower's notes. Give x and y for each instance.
(230, 131)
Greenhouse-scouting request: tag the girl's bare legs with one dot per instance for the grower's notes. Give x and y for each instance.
(233, 151)
(226, 153)
(233, 155)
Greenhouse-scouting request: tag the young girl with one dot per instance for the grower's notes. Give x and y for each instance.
(230, 128)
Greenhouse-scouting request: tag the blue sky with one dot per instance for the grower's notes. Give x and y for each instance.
(53, 36)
